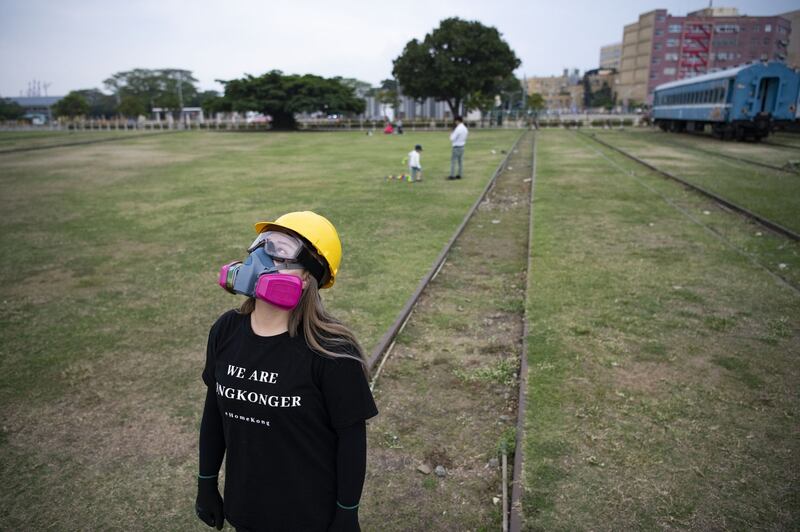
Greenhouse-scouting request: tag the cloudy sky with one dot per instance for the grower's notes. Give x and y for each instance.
(77, 44)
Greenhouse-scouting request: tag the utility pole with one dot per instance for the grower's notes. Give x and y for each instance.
(179, 74)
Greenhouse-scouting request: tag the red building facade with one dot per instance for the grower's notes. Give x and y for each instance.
(699, 42)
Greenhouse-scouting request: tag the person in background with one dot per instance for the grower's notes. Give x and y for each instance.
(458, 138)
(414, 166)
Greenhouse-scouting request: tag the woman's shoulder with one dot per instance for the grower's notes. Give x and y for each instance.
(227, 321)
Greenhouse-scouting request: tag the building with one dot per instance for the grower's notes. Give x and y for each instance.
(562, 93)
(38, 109)
(408, 109)
(598, 87)
(661, 47)
(610, 56)
(793, 51)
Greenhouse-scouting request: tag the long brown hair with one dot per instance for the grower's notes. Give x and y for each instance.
(324, 334)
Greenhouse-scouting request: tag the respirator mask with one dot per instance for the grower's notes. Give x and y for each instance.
(259, 275)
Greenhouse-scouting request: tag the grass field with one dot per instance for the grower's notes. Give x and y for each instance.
(663, 375)
(770, 193)
(447, 394)
(110, 254)
(663, 348)
(15, 140)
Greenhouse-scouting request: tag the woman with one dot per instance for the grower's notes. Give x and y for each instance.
(287, 392)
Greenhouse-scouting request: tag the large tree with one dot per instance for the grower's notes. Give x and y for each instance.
(100, 104)
(456, 62)
(141, 88)
(281, 96)
(71, 105)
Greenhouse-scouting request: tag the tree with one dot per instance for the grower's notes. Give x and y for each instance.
(100, 104)
(281, 96)
(10, 110)
(388, 95)
(360, 88)
(455, 61)
(131, 106)
(143, 89)
(71, 105)
(535, 104)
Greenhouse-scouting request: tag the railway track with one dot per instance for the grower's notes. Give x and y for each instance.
(420, 362)
(85, 142)
(736, 158)
(780, 145)
(386, 343)
(767, 223)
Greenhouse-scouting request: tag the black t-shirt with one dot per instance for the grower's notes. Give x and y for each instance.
(280, 404)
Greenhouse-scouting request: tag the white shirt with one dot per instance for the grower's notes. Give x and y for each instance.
(413, 159)
(459, 135)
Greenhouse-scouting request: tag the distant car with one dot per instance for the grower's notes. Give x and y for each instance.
(741, 102)
(258, 119)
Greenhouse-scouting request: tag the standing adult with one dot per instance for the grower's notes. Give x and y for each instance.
(287, 394)
(458, 138)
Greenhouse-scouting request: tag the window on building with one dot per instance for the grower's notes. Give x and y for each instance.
(672, 43)
(767, 28)
(660, 18)
(671, 57)
(675, 28)
(727, 28)
(782, 29)
(659, 33)
(657, 46)
(656, 60)
(669, 71)
(756, 28)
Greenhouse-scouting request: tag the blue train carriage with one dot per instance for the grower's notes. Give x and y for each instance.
(737, 103)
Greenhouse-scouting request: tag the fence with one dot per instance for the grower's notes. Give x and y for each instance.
(376, 126)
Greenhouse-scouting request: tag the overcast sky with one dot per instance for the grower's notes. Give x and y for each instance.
(77, 44)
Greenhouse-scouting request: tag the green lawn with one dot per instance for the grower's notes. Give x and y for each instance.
(111, 253)
(12, 140)
(770, 193)
(663, 371)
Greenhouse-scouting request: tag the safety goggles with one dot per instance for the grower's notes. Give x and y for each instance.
(280, 246)
(289, 252)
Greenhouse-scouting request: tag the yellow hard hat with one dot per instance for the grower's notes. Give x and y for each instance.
(317, 231)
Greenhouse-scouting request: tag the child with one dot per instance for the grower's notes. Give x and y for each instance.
(414, 167)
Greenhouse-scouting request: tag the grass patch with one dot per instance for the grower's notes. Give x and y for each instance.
(502, 371)
(662, 362)
(102, 347)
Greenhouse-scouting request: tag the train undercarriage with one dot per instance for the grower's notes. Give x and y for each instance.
(743, 130)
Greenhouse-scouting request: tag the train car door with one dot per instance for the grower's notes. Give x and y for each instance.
(768, 94)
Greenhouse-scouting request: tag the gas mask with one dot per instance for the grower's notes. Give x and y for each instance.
(259, 275)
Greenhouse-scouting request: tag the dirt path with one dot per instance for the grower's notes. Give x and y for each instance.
(447, 395)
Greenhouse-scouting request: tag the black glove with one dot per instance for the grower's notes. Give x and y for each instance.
(345, 521)
(208, 504)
